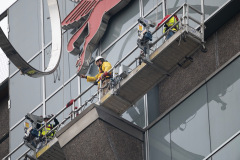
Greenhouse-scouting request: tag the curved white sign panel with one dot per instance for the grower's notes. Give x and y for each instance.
(20, 63)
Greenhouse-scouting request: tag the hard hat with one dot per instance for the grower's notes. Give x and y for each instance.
(97, 58)
(48, 117)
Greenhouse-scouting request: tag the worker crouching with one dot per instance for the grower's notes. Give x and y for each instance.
(103, 68)
(43, 134)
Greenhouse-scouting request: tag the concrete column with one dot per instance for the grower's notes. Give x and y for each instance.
(98, 133)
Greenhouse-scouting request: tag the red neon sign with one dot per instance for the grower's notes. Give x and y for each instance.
(91, 17)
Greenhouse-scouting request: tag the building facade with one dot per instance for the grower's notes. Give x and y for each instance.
(186, 116)
(4, 119)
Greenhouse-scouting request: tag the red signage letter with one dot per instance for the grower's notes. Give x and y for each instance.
(91, 17)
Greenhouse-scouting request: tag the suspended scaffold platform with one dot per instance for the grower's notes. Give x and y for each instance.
(174, 52)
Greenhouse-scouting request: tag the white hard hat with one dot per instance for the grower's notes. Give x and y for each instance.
(97, 58)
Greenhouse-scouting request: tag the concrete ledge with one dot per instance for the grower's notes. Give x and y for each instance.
(51, 150)
(98, 133)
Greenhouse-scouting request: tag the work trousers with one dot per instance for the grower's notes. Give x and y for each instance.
(105, 87)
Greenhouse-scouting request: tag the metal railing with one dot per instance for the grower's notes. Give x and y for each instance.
(104, 51)
(183, 22)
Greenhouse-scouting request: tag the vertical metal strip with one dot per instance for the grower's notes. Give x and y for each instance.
(146, 124)
(146, 110)
(164, 8)
(202, 19)
(79, 91)
(187, 13)
(184, 15)
(216, 50)
(141, 12)
(43, 59)
(209, 125)
(169, 120)
(147, 145)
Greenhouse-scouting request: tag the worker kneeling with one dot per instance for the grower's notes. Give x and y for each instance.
(103, 75)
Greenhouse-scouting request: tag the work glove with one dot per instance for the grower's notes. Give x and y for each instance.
(105, 74)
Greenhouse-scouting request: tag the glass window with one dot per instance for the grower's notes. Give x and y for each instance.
(190, 129)
(223, 99)
(150, 4)
(46, 23)
(16, 137)
(120, 23)
(126, 45)
(159, 140)
(69, 6)
(212, 6)
(69, 60)
(61, 98)
(31, 88)
(153, 104)
(19, 152)
(173, 5)
(54, 80)
(122, 48)
(47, 20)
(23, 18)
(230, 151)
(12, 68)
(135, 114)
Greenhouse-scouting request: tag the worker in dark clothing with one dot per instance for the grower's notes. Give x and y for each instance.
(103, 68)
(49, 127)
(44, 138)
(172, 21)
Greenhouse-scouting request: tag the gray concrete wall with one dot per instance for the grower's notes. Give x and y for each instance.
(222, 46)
(98, 133)
(102, 141)
(4, 124)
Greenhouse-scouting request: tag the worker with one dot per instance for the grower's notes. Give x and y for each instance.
(49, 127)
(172, 21)
(44, 138)
(103, 68)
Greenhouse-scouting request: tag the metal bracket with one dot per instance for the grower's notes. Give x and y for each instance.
(185, 62)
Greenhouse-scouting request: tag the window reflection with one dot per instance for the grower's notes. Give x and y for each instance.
(188, 121)
(19, 85)
(223, 99)
(230, 151)
(54, 80)
(135, 114)
(120, 23)
(159, 140)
